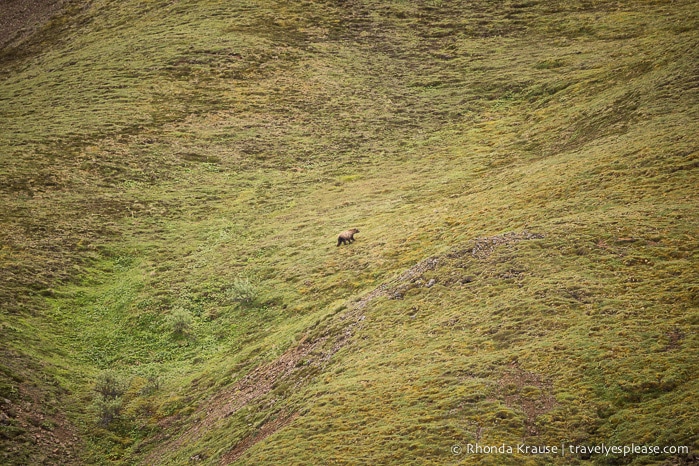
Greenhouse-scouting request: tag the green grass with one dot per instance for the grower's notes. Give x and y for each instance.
(159, 162)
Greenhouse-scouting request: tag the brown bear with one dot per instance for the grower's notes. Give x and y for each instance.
(346, 237)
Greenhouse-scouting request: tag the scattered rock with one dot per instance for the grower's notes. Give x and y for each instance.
(484, 247)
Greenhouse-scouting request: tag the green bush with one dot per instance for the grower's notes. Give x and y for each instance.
(153, 385)
(109, 387)
(180, 322)
(243, 291)
(108, 410)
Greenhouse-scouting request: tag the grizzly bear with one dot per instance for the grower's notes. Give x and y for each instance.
(346, 237)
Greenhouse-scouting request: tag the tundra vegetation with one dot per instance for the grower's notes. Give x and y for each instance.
(173, 175)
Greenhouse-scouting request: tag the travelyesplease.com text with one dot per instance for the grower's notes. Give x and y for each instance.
(564, 449)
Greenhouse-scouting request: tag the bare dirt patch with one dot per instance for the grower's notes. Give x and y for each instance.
(675, 337)
(21, 18)
(265, 431)
(527, 392)
(28, 419)
(396, 288)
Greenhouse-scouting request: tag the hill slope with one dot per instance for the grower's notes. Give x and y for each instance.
(524, 176)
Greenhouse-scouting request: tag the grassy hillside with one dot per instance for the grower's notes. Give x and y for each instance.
(173, 176)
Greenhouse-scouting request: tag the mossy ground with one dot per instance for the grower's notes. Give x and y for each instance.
(156, 155)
